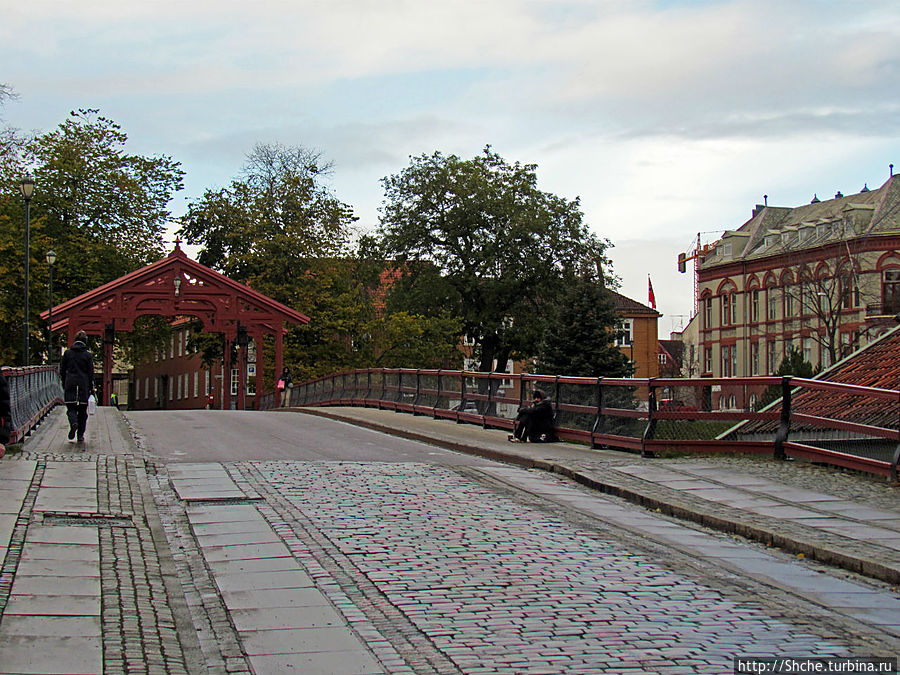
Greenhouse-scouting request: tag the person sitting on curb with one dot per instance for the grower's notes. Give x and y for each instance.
(5, 414)
(534, 423)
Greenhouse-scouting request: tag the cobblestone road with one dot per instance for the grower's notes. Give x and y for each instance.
(498, 583)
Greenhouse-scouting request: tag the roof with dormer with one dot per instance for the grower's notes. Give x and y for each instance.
(774, 230)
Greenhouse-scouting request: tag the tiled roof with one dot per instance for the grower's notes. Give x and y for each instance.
(625, 306)
(864, 213)
(674, 348)
(875, 365)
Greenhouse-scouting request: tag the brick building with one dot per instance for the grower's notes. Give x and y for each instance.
(822, 278)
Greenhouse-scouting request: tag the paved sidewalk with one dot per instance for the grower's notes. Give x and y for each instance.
(93, 578)
(839, 518)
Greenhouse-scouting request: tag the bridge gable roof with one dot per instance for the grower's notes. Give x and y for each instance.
(221, 303)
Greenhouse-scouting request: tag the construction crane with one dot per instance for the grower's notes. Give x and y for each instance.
(695, 254)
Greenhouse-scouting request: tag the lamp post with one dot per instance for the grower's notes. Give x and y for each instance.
(27, 187)
(51, 260)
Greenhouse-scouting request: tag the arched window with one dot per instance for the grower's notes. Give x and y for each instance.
(754, 402)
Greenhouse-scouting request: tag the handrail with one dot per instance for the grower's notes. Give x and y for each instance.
(33, 392)
(631, 413)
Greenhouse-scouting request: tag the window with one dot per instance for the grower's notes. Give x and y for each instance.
(754, 305)
(729, 360)
(155, 387)
(849, 291)
(807, 350)
(178, 384)
(754, 358)
(754, 402)
(707, 359)
(707, 313)
(773, 357)
(849, 343)
(732, 402)
(788, 302)
(196, 383)
(662, 359)
(726, 310)
(624, 333)
(772, 304)
(890, 291)
(235, 381)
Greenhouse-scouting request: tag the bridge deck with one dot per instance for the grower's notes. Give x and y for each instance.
(92, 577)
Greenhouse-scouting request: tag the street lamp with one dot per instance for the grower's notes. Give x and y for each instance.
(27, 187)
(51, 260)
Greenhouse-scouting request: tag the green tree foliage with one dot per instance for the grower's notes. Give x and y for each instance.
(578, 339)
(269, 223)
(794, 364)
(101, 209)
(478, 239)
(279, 229)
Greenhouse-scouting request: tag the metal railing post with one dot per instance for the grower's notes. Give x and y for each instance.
(598, 420)
(651, 421)
(784, 428)
(462, 395)
(418, 391)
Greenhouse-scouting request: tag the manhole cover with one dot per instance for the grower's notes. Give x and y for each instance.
(88, 519)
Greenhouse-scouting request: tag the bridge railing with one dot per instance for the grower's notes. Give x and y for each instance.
(33, 391)
(843, 425)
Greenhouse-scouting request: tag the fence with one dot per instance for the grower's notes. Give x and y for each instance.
(33, 391)
(842, 425)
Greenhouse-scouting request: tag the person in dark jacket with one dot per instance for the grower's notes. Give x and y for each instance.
(535, 423)
(77, 372)
(5, 414)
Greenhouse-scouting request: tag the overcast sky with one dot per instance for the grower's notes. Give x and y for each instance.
(667, 118)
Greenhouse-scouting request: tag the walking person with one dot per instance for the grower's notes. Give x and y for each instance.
(5, 414)
(77, 371)
(285, 383)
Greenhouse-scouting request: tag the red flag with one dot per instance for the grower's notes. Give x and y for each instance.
(650, 292)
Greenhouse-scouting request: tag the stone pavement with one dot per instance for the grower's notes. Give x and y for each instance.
(112, 563)
(840, 518)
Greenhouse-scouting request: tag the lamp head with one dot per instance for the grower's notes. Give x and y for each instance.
(27, 187)
(51, 257)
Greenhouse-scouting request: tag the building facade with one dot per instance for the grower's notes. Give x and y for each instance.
(175, 378)
(637, 335)
(822, 279)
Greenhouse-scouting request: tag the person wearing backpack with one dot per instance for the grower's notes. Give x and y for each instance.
(77, 372)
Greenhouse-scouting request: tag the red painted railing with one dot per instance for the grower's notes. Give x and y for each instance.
(860, 427)
(33, 391)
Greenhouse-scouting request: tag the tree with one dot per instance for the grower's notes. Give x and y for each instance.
(478, 238)
(101, 209)
(267, 225)
(578, 339)
(792, 364)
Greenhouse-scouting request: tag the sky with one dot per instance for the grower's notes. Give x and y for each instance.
(668, 119)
